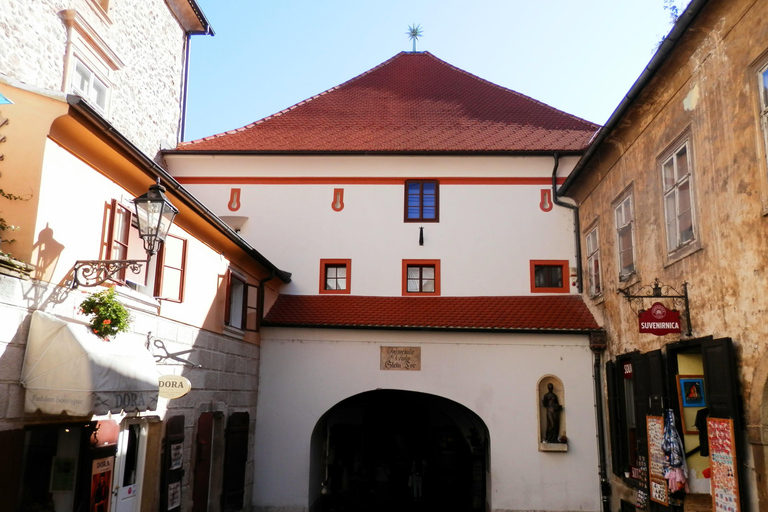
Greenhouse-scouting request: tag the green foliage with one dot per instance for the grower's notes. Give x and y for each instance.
(110, 316)
(4, 226)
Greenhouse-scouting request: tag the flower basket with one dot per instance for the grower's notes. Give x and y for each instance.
(110, 316)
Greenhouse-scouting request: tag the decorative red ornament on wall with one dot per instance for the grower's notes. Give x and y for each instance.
(546, 200)
(338, 199)
(234, 200)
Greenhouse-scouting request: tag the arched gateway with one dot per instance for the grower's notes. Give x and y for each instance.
(399, 450)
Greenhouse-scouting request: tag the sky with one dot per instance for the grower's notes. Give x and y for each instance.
(267, 55)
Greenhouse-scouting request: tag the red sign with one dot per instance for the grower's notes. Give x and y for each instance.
(659, 320)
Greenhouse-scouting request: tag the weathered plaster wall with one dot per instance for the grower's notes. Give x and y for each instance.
(145, 93)
(709, 90)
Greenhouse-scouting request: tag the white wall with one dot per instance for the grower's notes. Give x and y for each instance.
(306, 372)
(490, 225)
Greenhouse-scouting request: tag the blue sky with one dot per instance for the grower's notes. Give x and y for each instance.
(577, 56)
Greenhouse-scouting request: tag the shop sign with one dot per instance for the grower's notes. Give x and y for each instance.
(174, 386)
(627, 370)
(659, 320)
(101, 482)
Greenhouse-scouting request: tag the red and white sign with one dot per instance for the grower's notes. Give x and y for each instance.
(659, 320)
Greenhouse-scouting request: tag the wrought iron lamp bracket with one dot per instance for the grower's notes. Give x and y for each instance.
(646, 295)
(91, 273)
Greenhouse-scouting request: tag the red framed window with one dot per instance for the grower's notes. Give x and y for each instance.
(549, 276)
(421, 277)
(422, 201)
(242, 306)
(335, 276)
(171, 265)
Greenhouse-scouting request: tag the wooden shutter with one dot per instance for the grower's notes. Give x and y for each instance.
(203, 454)
(171, 269)
(618, 449)
(235, 459)
(171, 477)
(251, 309)
(12, 448)
(641, 381)
(720, 379)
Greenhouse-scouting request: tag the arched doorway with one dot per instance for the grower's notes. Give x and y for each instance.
(399, 450)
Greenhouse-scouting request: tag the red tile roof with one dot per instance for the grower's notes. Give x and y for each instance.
(412, 103)
(527, 313)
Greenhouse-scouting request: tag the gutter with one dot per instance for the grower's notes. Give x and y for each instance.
(503, 330)
(659, 58)
(576, 222)
(154, 170)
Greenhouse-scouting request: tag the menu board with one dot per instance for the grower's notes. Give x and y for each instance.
(722, 460)
(656, 481)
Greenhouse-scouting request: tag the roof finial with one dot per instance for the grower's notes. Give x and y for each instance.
(414, 32)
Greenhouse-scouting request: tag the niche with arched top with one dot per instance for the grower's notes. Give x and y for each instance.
(551, 414)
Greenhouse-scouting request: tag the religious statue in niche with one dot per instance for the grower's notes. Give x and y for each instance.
(552, 417)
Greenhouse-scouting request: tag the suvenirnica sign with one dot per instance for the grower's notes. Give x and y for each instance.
(659, 320)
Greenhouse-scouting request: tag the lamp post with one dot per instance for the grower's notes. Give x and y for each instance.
(155, 215)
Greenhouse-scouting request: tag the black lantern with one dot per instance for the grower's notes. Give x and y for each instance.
(155, 215)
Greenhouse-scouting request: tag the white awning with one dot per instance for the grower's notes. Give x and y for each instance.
(69, 370)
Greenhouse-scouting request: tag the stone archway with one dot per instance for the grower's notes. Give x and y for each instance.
(371, 452)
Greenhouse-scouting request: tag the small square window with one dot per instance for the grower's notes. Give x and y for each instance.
(90, 87)
(549, 276)
(421, 277)
(422, 201)
(335, 276)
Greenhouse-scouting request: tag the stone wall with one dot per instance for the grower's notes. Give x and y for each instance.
(145, 93)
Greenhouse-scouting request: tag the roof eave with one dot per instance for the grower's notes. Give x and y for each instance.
(500, 330)
(654, 65)
(542, 152)
(154, 170)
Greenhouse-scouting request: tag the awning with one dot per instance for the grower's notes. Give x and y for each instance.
(69, 370)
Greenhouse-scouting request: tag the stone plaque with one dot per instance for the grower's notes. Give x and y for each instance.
(401, 358)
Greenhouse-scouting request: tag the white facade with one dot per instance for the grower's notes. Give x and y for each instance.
(495, 218)
(491, 224)
(306, 372)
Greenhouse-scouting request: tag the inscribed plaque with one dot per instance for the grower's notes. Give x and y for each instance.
(401, 358)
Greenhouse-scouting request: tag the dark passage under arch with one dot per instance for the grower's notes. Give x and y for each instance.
(391, 450)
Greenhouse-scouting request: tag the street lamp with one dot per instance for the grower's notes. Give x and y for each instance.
(155, 215)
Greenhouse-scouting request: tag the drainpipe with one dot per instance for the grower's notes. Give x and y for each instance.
(576, 223)
(597, 342)
(184, 89)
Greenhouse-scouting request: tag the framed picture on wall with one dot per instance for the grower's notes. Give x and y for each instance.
(690, 392)
(691, 389)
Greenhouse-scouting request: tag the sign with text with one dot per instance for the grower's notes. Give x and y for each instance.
(173, 386)
(656, 480)
(659, 320)
(722, 460)
(401, 358)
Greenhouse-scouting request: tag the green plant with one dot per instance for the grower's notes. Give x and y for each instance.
(4, 226)
(110, 316)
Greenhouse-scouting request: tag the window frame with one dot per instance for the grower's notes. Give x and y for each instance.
(245, 304)
(325, 264)
(162, 266)
(563, 265)
(762, 76)
(406, 204)
(93, 77)
(672, 191)
(435, 264)
(627, 197)
(594, 265)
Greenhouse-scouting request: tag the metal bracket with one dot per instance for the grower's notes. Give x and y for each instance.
(90, 273)
(659, 290)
